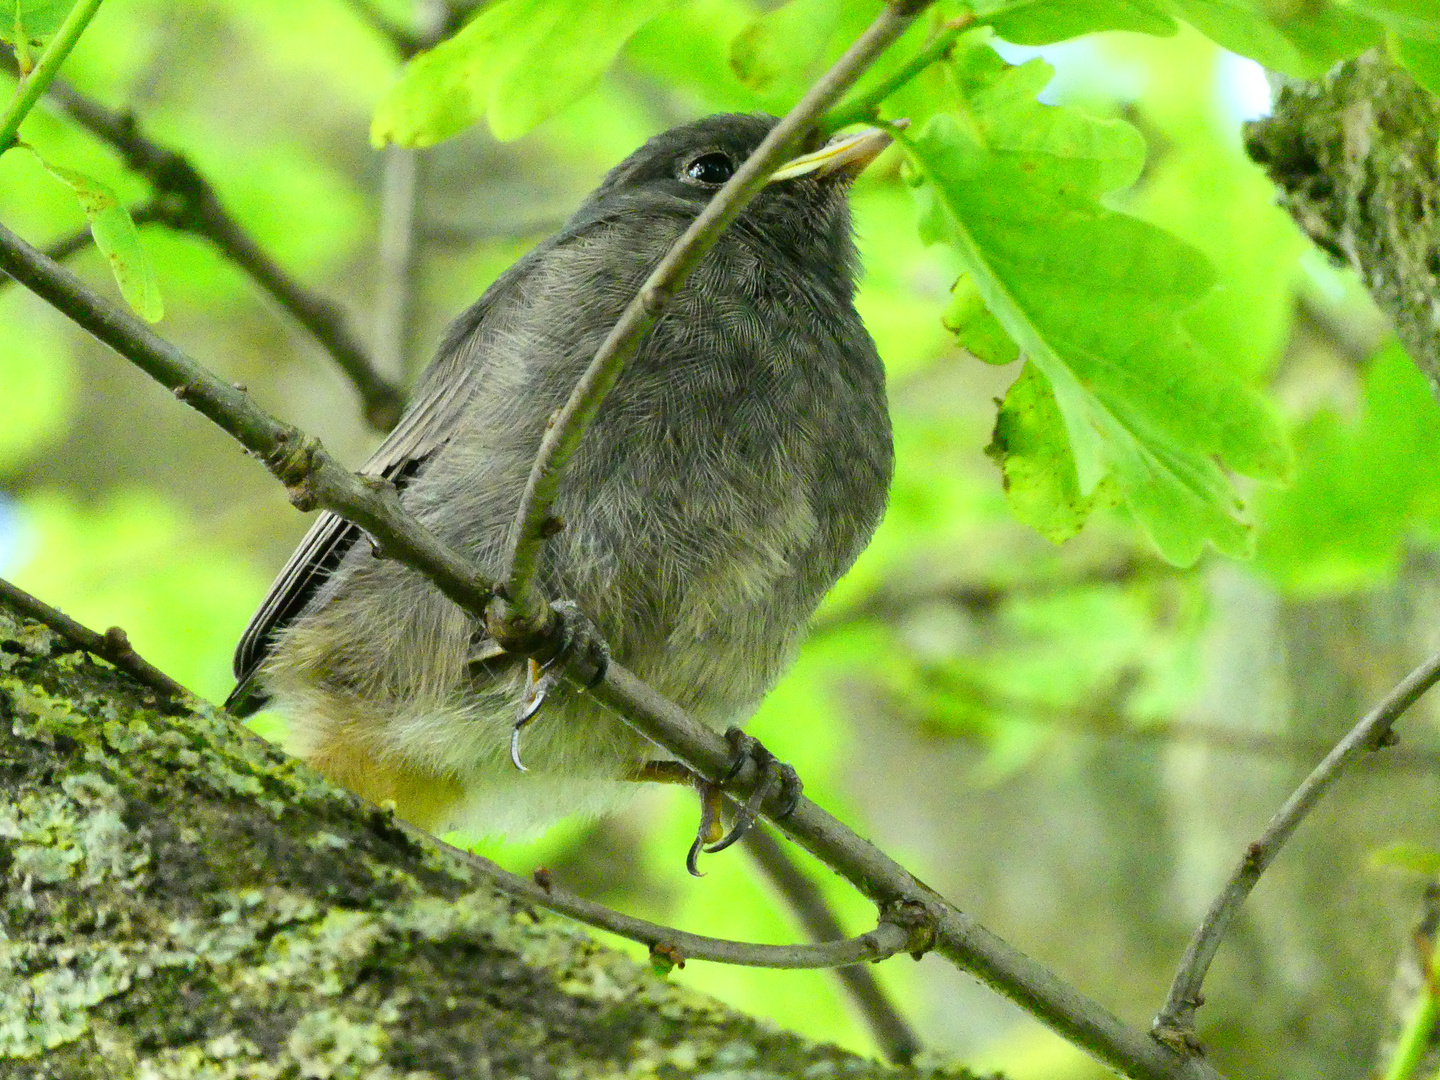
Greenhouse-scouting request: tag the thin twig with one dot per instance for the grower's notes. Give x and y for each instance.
(112, 646)
(1176, 1022)
(866, 107)
(311, 476)
(317, 480)
(528, 531)
(892, 1032)
(187, 202)
(887, 939)
(955, 935)
(34, 84)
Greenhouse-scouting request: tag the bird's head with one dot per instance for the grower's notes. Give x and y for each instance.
(803, 210)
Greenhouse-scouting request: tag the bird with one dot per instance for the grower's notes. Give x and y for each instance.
(736, 469)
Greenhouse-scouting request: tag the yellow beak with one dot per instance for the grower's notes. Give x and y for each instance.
(849, 152)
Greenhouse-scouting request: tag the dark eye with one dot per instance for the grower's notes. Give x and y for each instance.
(713, 169)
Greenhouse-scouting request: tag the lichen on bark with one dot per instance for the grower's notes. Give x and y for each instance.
(179, 899)
(1355, 157)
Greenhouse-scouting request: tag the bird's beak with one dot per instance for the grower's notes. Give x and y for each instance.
(850, 153)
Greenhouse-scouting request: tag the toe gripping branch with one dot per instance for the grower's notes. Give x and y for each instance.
(579, 645)
(775, 777)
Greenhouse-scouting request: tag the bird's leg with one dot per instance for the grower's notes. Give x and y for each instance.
(710, 837)
(774, 775)
(580, 643)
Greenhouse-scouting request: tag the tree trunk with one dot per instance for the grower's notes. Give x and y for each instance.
(180, 899)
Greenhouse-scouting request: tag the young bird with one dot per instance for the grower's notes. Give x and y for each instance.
(734, 472)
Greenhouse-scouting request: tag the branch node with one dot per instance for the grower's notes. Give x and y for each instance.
(295, 461)
(917, 919)
(544, 878)
(665, 957)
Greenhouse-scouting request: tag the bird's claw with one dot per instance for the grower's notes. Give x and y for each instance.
(776, 776)
(580, 643)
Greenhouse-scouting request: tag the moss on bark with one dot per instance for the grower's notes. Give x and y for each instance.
(179, 899)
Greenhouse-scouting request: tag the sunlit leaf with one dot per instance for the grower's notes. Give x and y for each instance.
(1415, 858)
(1422, 60)
(1034, 456)
(1418, 19)
(976, 330)
(1303, 40)
(1362, 487)
(118, 240)
(38, 380)
(1094, 299)
(31, 21)
(516, 64)
(1058, 20)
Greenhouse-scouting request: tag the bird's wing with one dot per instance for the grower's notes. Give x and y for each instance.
(443, 392)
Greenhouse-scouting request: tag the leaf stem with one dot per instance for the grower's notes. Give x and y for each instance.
(33, 85)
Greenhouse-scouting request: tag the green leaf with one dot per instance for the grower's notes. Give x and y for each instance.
(1418, 19)
(516, 64)
(1422, 60)
(118, 240)
(1059, 20)
(1303, 40)
(1362, 487)
(31, 22)
(1094, 299)
(1416, 858)
(1030, 446)
(976, 330)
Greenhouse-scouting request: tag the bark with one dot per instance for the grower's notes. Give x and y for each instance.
(180, 899)
(1354, 157)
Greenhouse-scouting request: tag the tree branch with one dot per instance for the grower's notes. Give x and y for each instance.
(310, 475)
(866, 107)
(33, 84)
(187, 202)
(892, 1032)
(181, 898)
(315, 480)
(562, 437)
(1354, 158)
(77, 241)
(1175, 1024)
(677, 946)
(112, 646)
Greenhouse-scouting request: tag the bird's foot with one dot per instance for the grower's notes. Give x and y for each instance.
(775, 777)
(581, 645)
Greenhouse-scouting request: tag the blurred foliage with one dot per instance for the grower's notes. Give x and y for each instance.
(1117, 231)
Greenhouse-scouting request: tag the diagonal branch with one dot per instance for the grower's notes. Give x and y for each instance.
(892, 1032)
(1176, 1022)
(677, 946)
(187, 202)
(315, 480)
(112, 646)
(298, 461)
(562, 437)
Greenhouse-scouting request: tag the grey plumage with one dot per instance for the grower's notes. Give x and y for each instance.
(734, 472)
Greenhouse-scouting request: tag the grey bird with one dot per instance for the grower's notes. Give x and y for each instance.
(734, 472)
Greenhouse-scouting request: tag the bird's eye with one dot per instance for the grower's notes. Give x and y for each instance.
(711, 169)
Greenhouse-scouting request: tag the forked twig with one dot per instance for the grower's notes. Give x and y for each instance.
(1175, 1024)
